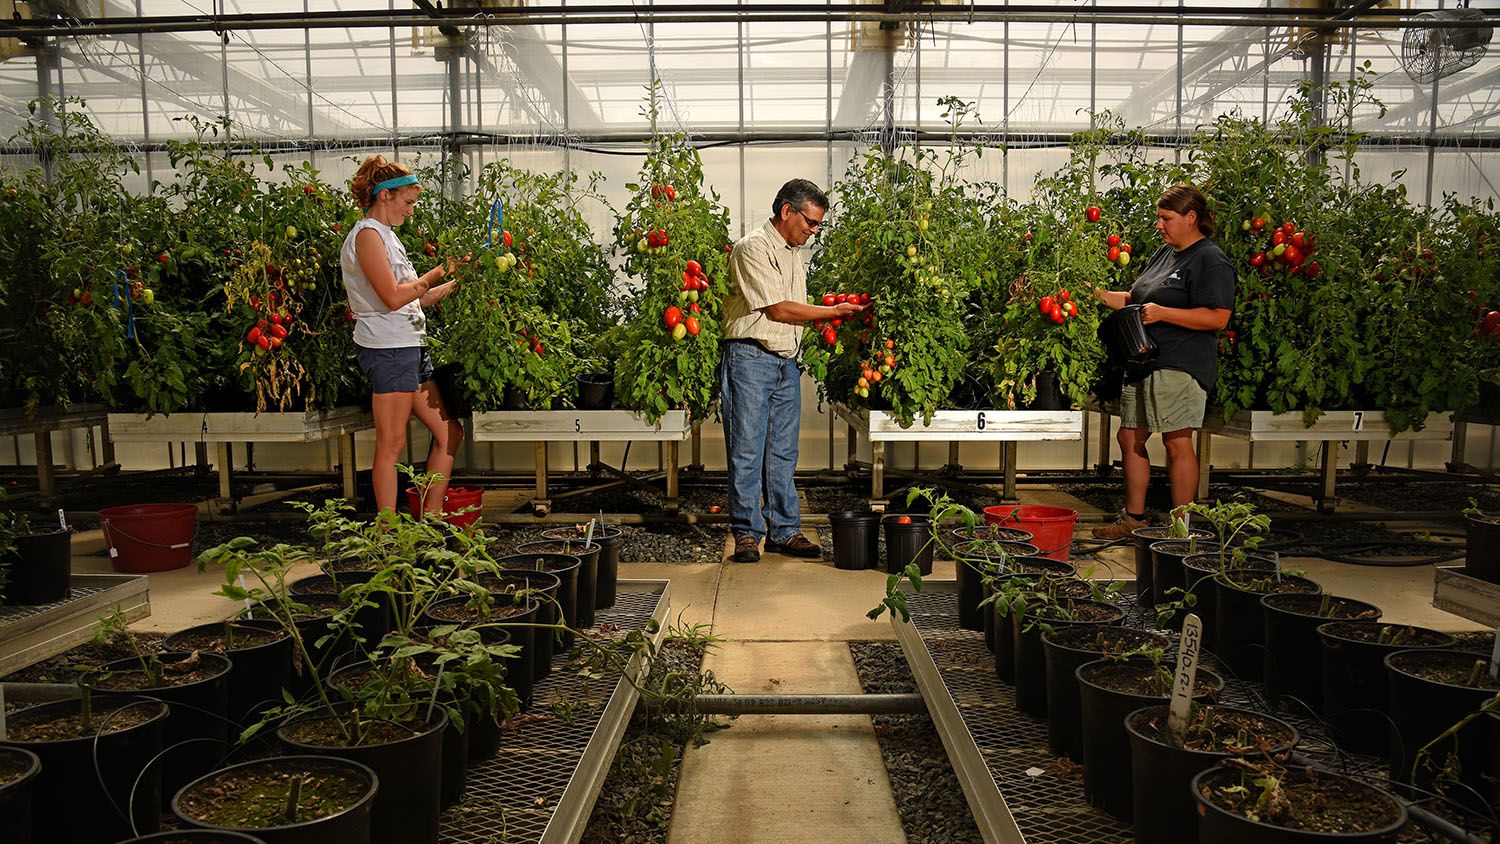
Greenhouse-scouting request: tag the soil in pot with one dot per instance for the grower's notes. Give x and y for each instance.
(334, 800)
(1198, 570)
(1306, 805)
(1239, 628)
(588, 574)
(992, 533)
(1356, 688)
(1162, 771)
(125, 734)
(1293, 657)
(418, 680)
(374, 621)
(1431, 691)
(1110, 690)
(1031, 666)
(196, 687)
(262, 658)
(407, 759)
(19, 769)
(609, 540)
(313, 618)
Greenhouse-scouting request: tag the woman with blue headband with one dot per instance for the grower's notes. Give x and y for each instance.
(387, 297)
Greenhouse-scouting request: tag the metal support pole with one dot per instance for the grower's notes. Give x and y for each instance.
(953, 456)
(671, 470)
(46, 483)
(1010, 450)
(1327, 498)
(593, 454)
(200, 455)
(347, 466)
(877, 471)
(1205, 462)
(225, 459)
(1105, 462)
(851, 446)
(1456, 458)
(869, 704)
(540, 449)
(697, 464)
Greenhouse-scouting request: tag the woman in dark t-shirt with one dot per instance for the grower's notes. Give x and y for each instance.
(1187, 289)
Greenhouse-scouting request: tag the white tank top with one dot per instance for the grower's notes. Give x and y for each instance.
(376, 326)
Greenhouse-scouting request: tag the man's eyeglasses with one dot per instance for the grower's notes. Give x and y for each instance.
(816, 224)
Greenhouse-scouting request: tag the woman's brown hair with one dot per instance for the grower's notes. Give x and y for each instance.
(1181, 199)
(372, 171)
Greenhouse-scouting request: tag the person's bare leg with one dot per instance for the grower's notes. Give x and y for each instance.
(392, 411)
(447, 434)
(1182, 466)
(1137, 465)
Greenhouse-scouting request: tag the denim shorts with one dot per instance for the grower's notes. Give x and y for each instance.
(401, 370)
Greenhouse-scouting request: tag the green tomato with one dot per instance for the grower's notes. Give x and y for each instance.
(1124, 259)
(692, 295)
(641, 245)
(148, 296)
(291, 232)
(679, 331)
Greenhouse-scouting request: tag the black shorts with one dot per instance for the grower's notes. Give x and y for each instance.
(401, 370)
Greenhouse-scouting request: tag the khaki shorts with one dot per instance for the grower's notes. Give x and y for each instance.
(1166, 400)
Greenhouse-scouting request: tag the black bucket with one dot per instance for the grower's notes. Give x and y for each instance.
(856, 539)
(609, 540)
(1049, 394)
(1126, 338)
(908, 542)
(596, 391)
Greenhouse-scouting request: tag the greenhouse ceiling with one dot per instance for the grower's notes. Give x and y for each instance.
(324, 71)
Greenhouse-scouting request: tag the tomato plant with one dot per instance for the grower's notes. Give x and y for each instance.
(659, 367)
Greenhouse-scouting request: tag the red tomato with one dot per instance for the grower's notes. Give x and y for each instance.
(1125, 247)
(1287, 228)
(1112, 240)
(1258, 223)
(1047, 303)
(904, 520)
(864, 298)
(1092, 213)
(829, 299)
(1299, 240)
(275, 341)
(672, 316)
(694, 268)
(263, 341)
(830, 336)
(692, 325)
(1294, 256)
(1490, 323)
(1070, 309)
(1113, 254)
(836, 322)
(1278, 237)
(1257, 259)
(1056, 315)
(693, 308)
(253, 336)
(1063, 296)
(278, 332)
(275, 319)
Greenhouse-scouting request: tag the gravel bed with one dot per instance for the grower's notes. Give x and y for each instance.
(691, 497)
(635, 803)
(928, 797)
(649, 543)
(1109, 495)
(64, 667)
(1421, 494)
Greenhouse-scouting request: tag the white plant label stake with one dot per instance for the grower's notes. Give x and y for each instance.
(1183, 682)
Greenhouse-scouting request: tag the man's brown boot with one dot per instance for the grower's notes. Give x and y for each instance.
(746, 548)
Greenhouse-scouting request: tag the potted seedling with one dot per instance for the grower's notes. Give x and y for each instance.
(1292, 657)
(1263, 800)
(1356, 688)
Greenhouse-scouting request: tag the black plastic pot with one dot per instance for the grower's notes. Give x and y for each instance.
(1293, 657)
(514, 399)
(1106, 749)
(1356, 685)
(1001, 642)
(1198, 571)
(970, 574)
(596, 391)
(1144, 537)
(449, 379)
(261, 670)
(518, 674)
(1031, 662)
(310, 629)
(1061, 655)
(483, 727)
(39, 568)
(1166, 565)
(907, 543)
(455, 742)
(609, 540)
(856, 540)
(197, 836)
(1494, 732)
(15, 796)
(410, 777)
(1049, 394)
(1162, 774)
(350, 825)
(1483, 549)
(1240, 628)
(374, 621)
(79, 809)
(546, 584)
(196, 736)
(1423, 709)
(587, 577)
(568, 567)
(1218, 825)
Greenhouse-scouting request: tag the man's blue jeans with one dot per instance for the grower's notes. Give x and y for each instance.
(762, 408)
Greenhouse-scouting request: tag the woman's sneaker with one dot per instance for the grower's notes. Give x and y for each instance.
(1122, 527)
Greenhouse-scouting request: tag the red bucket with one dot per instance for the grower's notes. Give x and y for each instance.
(1051, 527)
(145, 538)
(458, 497)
